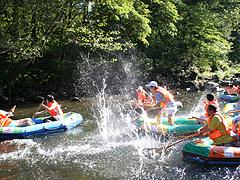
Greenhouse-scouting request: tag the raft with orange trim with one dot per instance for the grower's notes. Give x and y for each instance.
(204, 152)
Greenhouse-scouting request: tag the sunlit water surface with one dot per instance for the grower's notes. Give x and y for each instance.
(103, 147)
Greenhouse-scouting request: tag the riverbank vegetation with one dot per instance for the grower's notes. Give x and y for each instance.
(59, 46)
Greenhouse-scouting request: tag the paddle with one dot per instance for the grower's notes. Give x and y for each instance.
(11, 111)
(163, 148)
(42, 98)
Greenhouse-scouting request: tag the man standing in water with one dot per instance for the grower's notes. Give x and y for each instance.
(6, 121)
(163, 100)
(217, 128)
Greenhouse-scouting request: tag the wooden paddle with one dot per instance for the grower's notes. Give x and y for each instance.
(11, 111)
(163, 148)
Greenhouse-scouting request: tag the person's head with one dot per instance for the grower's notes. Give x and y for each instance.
(152, 85)
(210, 97)
(50, 98)
(211, 109)
(140, 89)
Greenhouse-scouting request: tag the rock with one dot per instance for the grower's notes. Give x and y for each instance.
(215, 78)
(235, 81)
(74, 98)
(225, 82)
(191, 86)
(237, 75)
(193, 75)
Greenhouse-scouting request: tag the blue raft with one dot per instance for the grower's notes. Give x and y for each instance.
(69, 121)
(229, 98)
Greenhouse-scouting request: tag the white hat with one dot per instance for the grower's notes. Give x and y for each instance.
(152, 84)
(140, 88)
(4, 112)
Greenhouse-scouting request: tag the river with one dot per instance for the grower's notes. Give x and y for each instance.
(103, 147)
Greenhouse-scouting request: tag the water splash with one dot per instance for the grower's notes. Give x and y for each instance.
(198, 109)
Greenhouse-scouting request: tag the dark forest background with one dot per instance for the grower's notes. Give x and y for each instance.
(67, 47)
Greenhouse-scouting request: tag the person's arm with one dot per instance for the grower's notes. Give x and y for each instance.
(39, 112)
(209, 127)
(233, 111)
(198, 118)
(159, 99)
(204, 130)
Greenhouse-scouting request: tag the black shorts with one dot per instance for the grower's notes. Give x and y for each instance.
(49, 119)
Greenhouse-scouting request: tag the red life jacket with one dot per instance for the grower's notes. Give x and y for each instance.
(235, 89)
(217, 133)
(3, 121)
(56, 110)
(229, 90)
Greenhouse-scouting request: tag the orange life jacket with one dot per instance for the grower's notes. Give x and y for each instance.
(3, 121)
(167, 96)
(56, 110)
(141, 95)
(217, 133)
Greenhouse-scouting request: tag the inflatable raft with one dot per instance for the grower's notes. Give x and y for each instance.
(204, 152)
(69, 121)
(229, 98)
(183, 126)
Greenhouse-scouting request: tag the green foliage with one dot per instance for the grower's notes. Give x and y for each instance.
(172, 35)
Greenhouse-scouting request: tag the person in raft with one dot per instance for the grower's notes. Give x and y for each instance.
(236, 121)
(163, 101)
(217, 128)
(140, 95)
(210, 99)
(5, 121)
(143, 98)
(53, 108)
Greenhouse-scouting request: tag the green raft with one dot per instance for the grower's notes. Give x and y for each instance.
(183, 126)
(203, 151)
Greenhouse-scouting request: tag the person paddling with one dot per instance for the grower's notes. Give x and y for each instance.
(53, 108)
(216, 128)
(5, 121)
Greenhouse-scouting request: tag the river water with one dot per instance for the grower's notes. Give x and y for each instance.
(103, 147)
